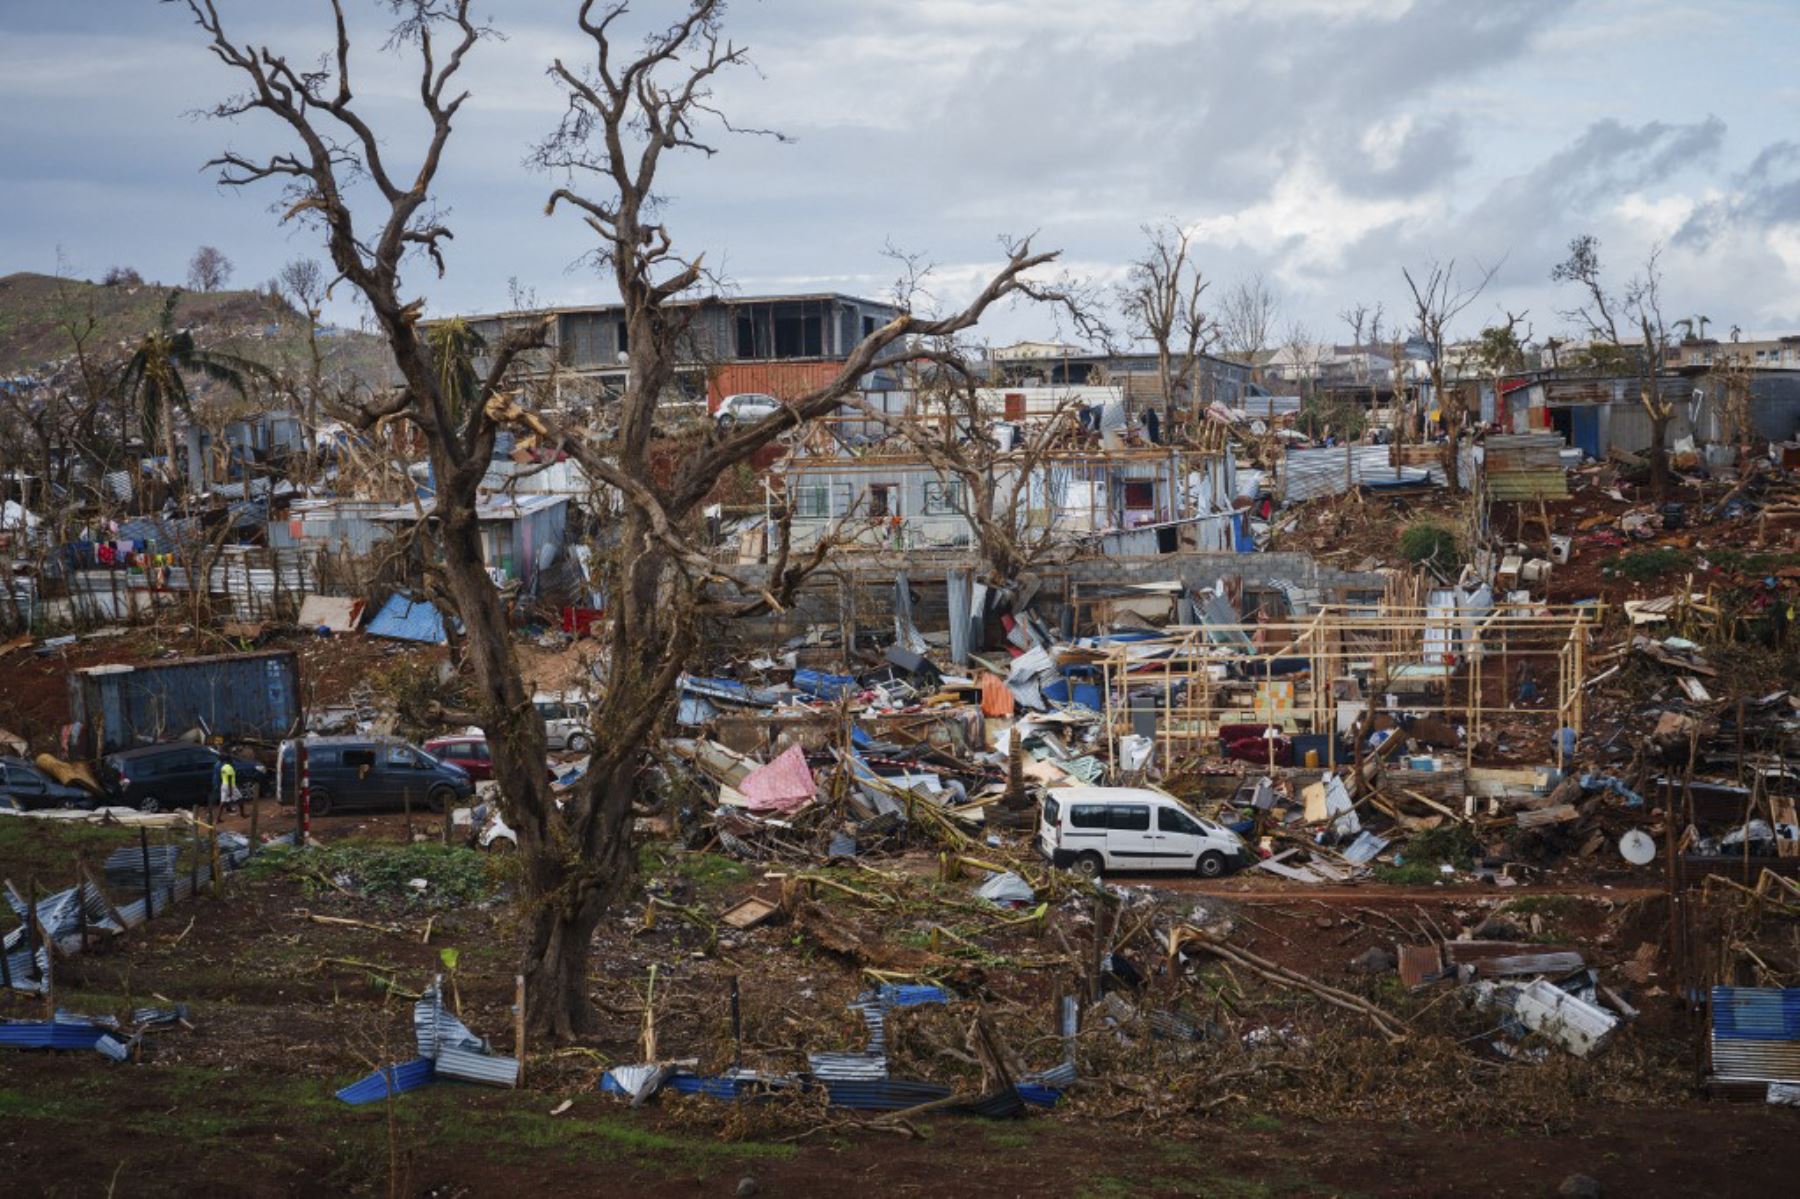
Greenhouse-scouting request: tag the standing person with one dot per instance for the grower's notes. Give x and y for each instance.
(1528, 688)
(230, 799)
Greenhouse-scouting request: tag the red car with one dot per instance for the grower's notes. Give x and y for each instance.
(469, 752)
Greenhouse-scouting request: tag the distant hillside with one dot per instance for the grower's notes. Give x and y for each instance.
(34, 309)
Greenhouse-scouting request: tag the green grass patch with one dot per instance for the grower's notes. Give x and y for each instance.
(1429, 543)
(1261, 1122)
(454, 874)
(17, 1105)
(1107, 1186)
(47, 848)
(707, 871)
(1410, 874)
(1642, 566)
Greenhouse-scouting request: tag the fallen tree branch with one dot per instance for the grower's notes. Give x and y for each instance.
(1390, 1027)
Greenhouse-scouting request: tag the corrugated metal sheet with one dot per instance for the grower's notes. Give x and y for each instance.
(50, 1034)
(469, 1066)
(783, 380)
(1548, 484)
(1756, 1034)
(407, 1076)
(883, 1095)
(254, 695)
(1308, 474)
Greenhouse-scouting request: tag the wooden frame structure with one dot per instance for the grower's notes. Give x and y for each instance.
(1451, 663)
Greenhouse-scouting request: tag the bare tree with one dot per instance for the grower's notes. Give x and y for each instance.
(1438, 299)
(1303, 352)
(1501, 350)
(1246, 321)
(990, 476)
(623, 116)
(624, 113)
(1161, 302)
(303, 283)
(208, 269)
(1600, 312)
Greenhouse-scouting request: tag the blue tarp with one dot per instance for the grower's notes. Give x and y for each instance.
(406, 619)
(1243, 540)
(824, 686)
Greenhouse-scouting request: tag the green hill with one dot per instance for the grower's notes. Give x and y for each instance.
(35, 310)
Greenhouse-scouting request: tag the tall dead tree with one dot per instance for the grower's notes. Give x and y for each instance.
(370, 194)
(1640, 304)
(1247, 321)
(1161, 302)
(1438, 299)
(624, 115)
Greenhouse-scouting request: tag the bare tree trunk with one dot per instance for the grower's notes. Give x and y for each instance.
(1659, 453)
(1453, 419)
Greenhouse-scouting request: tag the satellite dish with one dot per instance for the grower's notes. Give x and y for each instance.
(1258, 428)
(1638, 847)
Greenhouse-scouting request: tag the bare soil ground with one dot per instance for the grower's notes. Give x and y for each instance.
(287, 1010)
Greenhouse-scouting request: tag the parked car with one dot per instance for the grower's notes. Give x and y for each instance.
(1096, 829)
(373, 772)
(565, 716)
(31, 790)
(174, 774)
(469, 751)
(746, 407)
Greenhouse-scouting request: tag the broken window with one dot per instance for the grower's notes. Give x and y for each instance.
(943, 497)
(882, 498)
(812, 501)
(1140, 496)
(746, 336)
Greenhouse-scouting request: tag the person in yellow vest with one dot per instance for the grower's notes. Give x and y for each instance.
(230, 799)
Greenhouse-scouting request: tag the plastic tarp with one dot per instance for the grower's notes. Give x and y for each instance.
(824, 686)
(784, 785)
(1006, 889)
(406, 619)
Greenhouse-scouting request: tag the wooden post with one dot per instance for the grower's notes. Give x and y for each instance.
(447, 823)
(194, 862)
(519, 1024)
(256, 807)
(406, 806)
(118, 917)
(218, 872)
(149, 894)
(81, 905)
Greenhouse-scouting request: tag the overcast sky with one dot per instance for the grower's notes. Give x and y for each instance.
(1327, 143)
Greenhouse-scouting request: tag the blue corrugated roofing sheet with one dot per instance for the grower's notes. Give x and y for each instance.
(883, 1094)
(1756, 1013)
(406, 619)
(407, 1076)
(49, 1034)
(1756, 1034)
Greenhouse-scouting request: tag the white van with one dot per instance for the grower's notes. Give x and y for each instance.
(565, 715)
(1096, 829)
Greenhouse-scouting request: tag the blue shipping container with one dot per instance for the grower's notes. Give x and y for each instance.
(239, 696)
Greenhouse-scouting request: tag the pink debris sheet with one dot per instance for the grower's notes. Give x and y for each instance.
(784, 785)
